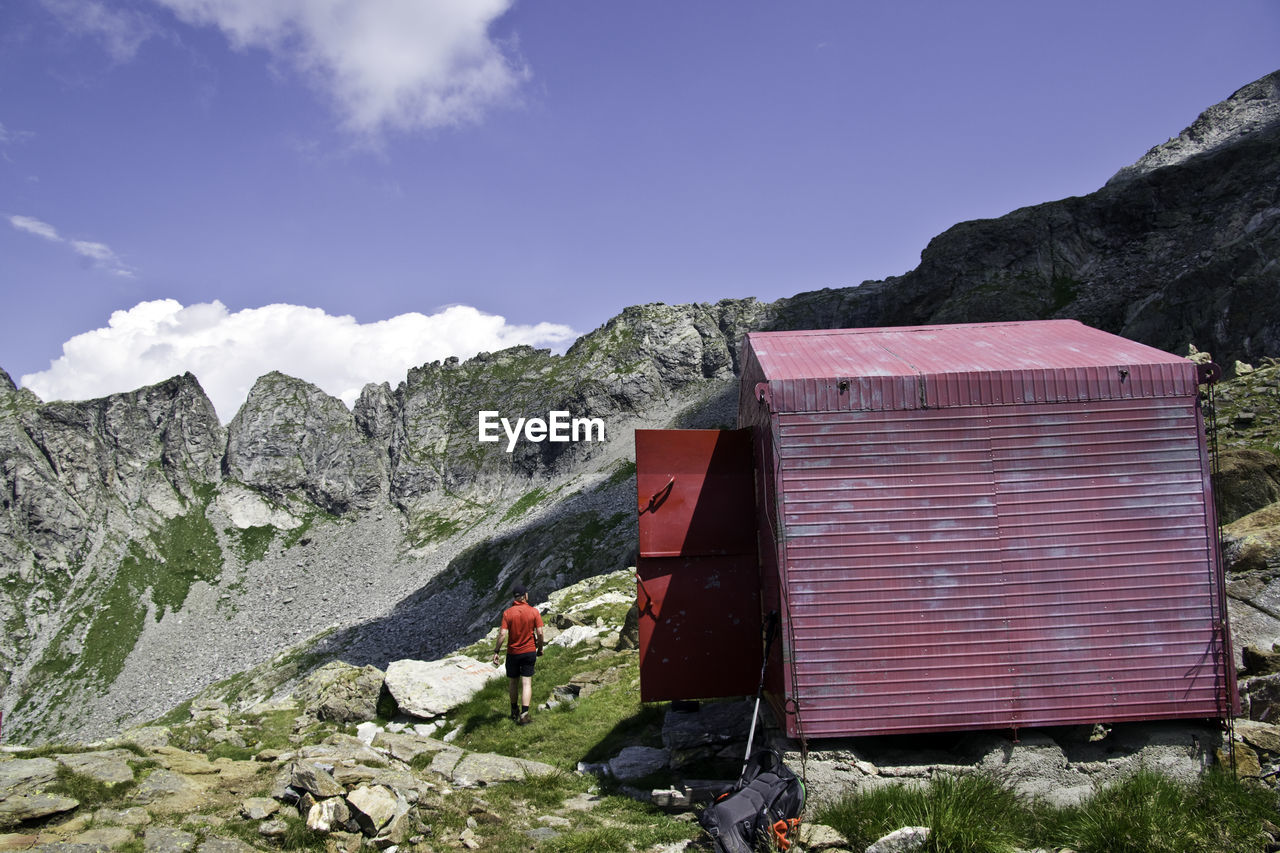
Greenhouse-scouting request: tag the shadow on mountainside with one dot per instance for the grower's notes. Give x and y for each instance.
(584, 536)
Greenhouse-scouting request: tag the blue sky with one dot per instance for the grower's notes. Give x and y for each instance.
(341, 189)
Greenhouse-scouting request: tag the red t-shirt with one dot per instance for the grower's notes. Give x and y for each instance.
(519, 620)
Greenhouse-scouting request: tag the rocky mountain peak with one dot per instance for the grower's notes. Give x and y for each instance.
(6, 384)
(290, 437)
(1249, 110)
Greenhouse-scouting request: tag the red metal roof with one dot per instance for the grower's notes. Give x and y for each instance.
(928, 367)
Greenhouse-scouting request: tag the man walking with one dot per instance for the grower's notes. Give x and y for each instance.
(521, 629)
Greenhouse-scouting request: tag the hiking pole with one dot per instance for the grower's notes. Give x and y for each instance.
(770, 631)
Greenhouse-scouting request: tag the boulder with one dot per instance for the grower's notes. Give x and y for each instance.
(167, 839)
(445, 760)
(374, 807)
(405, 746)
(1246, 481)
(1246, 762)
(148, 737)
(259, 808)
(1252, 542)
(210, 709)
(909, 839)
(483, 768)
(327, 815)
(577, 635)
(19, 808)
(635, 762)
(397, 831)
(629, 636)
(430, 689)
(26, 774)
(342, 693)
(109, 837)
(1262, 736)
(314, 779)
(339, 749)
(110, 767)
(403, 782)
(589, 682)
(224, 845)
(1260, 698)
(227, 736)
(1259, 662)
(171, 791)
(817, 836)
(135, 816)
(565, 621)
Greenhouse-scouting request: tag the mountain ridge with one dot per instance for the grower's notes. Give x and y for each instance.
(141, 538)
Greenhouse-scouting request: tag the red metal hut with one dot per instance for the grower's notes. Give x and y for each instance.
(960, 527)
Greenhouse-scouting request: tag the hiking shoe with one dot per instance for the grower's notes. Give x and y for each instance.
(524, 719)
(515, 715)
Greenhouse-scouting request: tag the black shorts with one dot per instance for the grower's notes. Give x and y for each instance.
(518, 665)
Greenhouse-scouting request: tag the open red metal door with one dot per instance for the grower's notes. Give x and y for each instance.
(698, 580)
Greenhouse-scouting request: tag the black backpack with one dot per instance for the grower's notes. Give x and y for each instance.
(763, 808)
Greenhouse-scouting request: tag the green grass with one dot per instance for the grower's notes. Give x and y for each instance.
(526, 502)
(613, 614)
(50, 749)
(592, 729)
(591, 533)
(506, 812)
(623, 471)
(1148, 811)
(478, 566)
(296, 836)
(178, 554)
(251, 543)
(969, 814)
(1144, 812)
(178, 715)
(427, 528)
(297, 534)
(270, 730)
(89, 791)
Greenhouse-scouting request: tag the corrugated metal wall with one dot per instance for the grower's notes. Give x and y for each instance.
(996, 566)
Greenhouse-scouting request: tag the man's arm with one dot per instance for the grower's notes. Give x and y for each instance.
(537, 635)
(502, 638)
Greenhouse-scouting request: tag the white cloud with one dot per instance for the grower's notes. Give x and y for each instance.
(34, 226)
(100, 254)
(9, 137)
(121, 30)
(228, 351)
(391, 64)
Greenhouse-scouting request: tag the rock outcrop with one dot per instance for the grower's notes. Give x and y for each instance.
(1250, 110)
(291, 439)
(77, 479)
